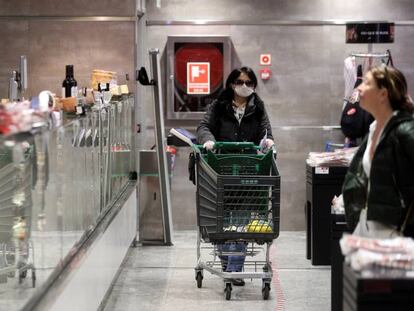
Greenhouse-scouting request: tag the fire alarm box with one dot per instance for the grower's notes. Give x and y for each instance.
(265, 73)
(197, 68)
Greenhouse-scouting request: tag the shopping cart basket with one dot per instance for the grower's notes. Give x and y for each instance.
(238, 201)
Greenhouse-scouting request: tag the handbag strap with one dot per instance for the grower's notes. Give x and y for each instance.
(407, 217)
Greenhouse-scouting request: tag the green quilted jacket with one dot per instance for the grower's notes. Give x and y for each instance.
(392, 176)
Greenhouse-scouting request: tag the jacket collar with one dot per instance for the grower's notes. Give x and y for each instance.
(395, 120)
(254, 103)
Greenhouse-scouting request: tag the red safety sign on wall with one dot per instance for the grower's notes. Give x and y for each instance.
(265, 59)
(198, 78)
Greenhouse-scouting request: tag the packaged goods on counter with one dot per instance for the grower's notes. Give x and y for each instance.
(365, 253)
(339, 157)
(17, 117)
(103, 76)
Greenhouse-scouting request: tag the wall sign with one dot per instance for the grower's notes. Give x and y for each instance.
(198, 78)
(370, 33)
(265, 59)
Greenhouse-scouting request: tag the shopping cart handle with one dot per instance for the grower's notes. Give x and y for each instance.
(224, 145)
(230, 146)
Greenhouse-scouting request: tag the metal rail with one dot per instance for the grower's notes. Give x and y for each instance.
(207, 22)
(69, 18)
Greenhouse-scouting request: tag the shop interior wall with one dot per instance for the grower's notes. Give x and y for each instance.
(50, 43)
(304, 94)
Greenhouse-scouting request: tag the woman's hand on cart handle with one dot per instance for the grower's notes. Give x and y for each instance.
(269, 143)
(209, 145)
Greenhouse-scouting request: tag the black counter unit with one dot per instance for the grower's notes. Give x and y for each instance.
(322, 183)
(386, 291)
(338, 227)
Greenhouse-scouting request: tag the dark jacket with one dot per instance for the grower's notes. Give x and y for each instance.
(391, 177)
(220, 124)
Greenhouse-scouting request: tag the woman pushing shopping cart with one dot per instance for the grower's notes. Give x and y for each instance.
(238, 190)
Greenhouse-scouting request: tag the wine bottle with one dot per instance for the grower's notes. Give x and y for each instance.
(69, 85)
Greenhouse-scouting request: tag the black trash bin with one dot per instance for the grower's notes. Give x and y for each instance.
(322, 184)
(338, 227)
(385, 290)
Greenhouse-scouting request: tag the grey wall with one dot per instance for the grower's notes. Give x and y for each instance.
(281, 9)
(306, 89)
(67, 8)
(51, 44)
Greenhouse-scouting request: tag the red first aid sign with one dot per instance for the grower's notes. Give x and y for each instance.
(265, 59)
(198, 78)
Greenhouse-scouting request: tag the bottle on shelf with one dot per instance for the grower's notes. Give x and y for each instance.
(69, 85)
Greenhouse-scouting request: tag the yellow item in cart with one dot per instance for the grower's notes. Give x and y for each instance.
(259, 226)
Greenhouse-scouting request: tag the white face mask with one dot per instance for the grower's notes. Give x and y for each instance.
(243, 90)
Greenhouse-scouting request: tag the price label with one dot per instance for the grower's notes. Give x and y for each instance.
(322, 170)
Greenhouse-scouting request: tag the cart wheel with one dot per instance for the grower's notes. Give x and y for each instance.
(199, 279)
(265, 291)
(228, 291)
(33, 278)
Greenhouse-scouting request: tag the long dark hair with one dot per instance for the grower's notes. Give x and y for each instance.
(395, 83)
(228, 92)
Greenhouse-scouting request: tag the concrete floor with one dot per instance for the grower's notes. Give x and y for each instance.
(162, 278)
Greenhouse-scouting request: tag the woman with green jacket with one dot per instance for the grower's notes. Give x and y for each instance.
(378, 190)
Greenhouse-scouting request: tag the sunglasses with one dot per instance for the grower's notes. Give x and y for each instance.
(248, 83)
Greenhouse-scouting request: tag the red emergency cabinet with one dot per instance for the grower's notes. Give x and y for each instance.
(197, 68)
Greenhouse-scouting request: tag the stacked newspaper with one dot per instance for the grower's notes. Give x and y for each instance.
(339, 157)
(365, 253)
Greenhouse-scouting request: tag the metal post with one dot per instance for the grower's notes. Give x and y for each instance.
(108, 164)
(161, 153)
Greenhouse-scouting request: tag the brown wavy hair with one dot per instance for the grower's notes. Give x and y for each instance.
(395, 83)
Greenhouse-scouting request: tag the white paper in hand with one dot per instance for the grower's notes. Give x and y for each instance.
(263, 144)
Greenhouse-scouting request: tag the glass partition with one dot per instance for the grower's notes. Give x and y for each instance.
(54, 187)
